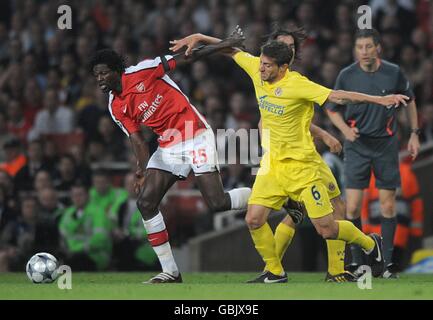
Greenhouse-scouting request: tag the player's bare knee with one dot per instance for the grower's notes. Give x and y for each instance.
(353, 211)
(328, 233)
(388, 209)
(254, 222)
(327, 230)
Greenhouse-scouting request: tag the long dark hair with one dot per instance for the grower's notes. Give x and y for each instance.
(298, 34)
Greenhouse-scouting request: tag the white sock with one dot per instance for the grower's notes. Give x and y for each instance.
(156, 226)
(239, 198)
(166, 259)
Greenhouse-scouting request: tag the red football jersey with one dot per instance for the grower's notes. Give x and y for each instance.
(151, 98)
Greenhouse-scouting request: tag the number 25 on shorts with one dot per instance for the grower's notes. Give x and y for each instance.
(199, 156)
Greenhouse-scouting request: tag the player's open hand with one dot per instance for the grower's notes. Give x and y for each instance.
(190, 42)
(394, 100)
(413, 146)
(236, 38)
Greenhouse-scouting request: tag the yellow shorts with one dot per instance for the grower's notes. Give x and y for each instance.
(299, 180)
(328, 180)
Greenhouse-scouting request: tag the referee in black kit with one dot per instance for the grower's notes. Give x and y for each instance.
(371, 141)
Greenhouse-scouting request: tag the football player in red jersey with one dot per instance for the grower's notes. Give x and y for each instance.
(145, 95)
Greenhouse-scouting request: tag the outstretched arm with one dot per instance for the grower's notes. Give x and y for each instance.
(346, 97)
(191, 42)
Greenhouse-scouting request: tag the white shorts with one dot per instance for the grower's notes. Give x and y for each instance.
(198, 154)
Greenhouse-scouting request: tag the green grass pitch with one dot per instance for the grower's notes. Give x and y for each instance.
(218, 286)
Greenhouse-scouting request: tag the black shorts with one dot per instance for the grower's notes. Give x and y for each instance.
(379, 155)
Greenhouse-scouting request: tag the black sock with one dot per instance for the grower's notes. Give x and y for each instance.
(356, 251)
(388, 232)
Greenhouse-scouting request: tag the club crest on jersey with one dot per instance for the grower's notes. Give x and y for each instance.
(140, 87)
(278, 91)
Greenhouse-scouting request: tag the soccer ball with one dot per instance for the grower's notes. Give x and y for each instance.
(42, 268)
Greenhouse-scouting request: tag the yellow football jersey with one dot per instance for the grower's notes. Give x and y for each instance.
(286, 109)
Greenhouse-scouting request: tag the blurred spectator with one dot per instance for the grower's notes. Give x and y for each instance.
(7, 183)
(131, 249)
(104, 195)
(42, 181)
(51, 155)
(88, 110)
(54, 118)
(409, 63)
(427, 126)
(82, 166)
(328, 74)
(49, 212)
(238, 111)
(15, 159)
(70, 81)
(18, 238)
(35, 161)
(7, 214)
(112, 139)
(32, 100)
(3, 44)
(67, 173)
(5, 136)
(400, 10)
(18, 124)
(84, 230)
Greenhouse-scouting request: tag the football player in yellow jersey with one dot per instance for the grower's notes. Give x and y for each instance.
(285, 231)
(289, 166)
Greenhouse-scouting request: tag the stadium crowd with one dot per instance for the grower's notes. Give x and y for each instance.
(55, 129)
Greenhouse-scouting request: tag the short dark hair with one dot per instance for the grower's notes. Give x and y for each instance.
(111, 58)
(298, 35)
(278, 51)
(368, 33)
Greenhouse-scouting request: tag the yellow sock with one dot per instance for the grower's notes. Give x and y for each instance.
(336, 250)
(264, 242)
(351, 234)
(283, 237)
